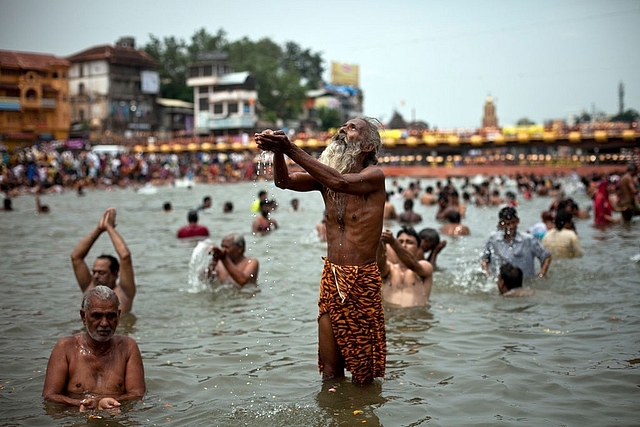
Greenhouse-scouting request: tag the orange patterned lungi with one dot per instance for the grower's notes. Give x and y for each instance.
(351, 295)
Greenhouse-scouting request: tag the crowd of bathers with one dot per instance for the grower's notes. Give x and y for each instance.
(54, 170)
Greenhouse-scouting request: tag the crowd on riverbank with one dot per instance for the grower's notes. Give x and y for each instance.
(52, 170)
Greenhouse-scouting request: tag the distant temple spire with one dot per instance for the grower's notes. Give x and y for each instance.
(489, 119)
(621, 98)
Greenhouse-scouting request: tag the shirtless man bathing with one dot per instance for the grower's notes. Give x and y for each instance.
(106, 268)
(351, 329)
(95, 369)
(406, 282)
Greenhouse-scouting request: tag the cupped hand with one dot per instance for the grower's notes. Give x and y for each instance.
(108, 403)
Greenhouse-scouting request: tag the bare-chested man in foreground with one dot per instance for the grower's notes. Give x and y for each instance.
(351, 330)
(406, 283)
(95, 369)
(106, 267)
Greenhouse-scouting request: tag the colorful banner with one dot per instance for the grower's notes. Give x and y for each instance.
(345, 74)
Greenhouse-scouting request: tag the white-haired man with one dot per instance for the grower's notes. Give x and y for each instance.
(351, 330)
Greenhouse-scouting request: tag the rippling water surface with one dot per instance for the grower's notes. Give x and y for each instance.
(566, 356)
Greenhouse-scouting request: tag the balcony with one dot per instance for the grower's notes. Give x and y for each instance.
(9, 103)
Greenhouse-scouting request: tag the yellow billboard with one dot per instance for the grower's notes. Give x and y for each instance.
(345, 74)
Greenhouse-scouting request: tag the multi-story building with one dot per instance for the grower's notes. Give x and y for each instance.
(113, 92)
(224, 101)
(175, 118)
(34, 98)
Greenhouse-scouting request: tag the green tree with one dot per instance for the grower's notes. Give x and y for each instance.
(630, 115)
(172, 56)
(583, 117)
(202, 41)
(524, 122)
(283, 75)
(308, 64)
(330, 118)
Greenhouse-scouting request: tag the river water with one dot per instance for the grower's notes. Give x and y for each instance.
(219, 356)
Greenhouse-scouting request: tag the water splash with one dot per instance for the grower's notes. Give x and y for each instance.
(200, 257)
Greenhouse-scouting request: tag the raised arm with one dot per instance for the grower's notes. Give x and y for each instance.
(80, 267)
(242, 276)
(382, 261)
(127, 279)
(421, 267)
(367, 181)
(433, 255)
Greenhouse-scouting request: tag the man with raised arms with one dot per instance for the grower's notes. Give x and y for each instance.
(106, 268)
(406, 282)
(351, 329)
(95, 369)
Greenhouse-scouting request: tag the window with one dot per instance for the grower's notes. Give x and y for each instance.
(81, 89)
(233, 108)
(203, 89)
(203, 104)
(207, 71)
(218, 108)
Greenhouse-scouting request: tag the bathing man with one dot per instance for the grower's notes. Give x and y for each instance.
(229, 264)
(407, 282)
(95, 369)
(106, 267)
(351, 329)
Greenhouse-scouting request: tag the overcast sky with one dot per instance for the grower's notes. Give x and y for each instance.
(431, 60)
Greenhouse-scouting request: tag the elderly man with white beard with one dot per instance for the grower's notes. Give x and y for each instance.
(351, 329)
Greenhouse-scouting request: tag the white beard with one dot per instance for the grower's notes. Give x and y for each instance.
(341, 154)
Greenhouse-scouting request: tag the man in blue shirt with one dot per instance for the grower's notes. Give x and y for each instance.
(508, 245)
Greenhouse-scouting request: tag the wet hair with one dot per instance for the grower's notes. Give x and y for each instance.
(192, 216)
(166, 206)
(228, 206)
(102, 293)
(8, 204)
(267, 202)
(562, 206)
(453, 216)
(114, 264)
(507, 213)
(237, 239)
(408, 204)
(371, 135)
(206, 199)
(262, 193)
(430, 235)
(411, 232)
(562, 217)
(511, 276)
(443, 198)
